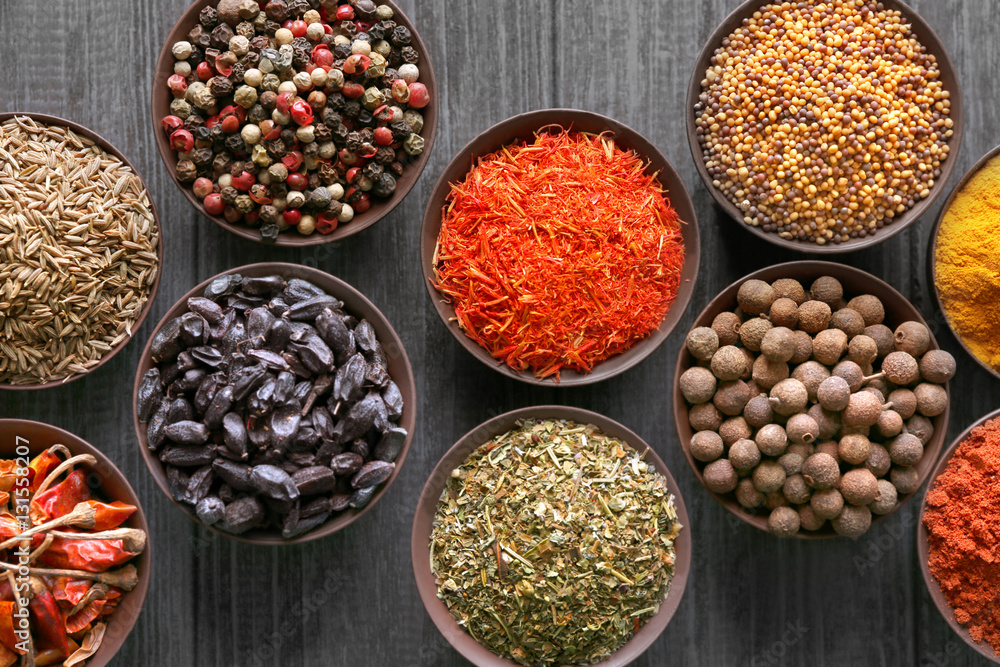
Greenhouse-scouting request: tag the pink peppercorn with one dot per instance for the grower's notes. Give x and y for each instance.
(419, 97)
(301, 112)
(203, 187)
(182, 141)
(178, 85)
(214, 204)
(353, 90)
(171, 124)
(244, 181)
(383, 136)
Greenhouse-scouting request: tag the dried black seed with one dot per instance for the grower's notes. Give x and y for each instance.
(150, 394)
(210, 510)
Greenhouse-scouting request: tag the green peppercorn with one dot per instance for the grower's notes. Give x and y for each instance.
(414, 144)
(245, 96)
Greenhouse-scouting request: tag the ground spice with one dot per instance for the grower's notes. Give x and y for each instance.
(559, 253)
(963, 520)
(967, 263)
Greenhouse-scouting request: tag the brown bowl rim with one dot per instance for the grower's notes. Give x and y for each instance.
(949, 76)
(800, 270)
(524, 126)
(923, 550)
(932, 254)
(123, 620)
(160, 100)
(403, 377)
(108, 147)
(463, 642)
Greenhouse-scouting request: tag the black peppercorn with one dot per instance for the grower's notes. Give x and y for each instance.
(279, 190)
(208, 17)
(385, 186)
(221, 162)
(199, 36)
(211, 55)
(318, 199)
(396, 168)
(202, 156)
(385, 155)
(221, 35)
(335, 102)
(322, 133)
(193, 122)
(276, 10)
(268, 99)
(250, 60)
(268, 214)
(269, 232)
(400, 35)
(299, 7)
(395, 58)
(327, 174)
(354, 142)
(244, 204)
(229, 194)
(257, 114)
(246, 29)
(271, 27)
(341, 51)
(335, 208)
(365, 8)
(276, 149)
(410, 55)
(288, 136)
(346, 28)
(220, 86)
(235, 144)
(373, 170)
(378, 31)
(311, 149)
(239, 69)
(400, 130)
(352, 108)
(186, 171)
(202, 134)
(197, 56)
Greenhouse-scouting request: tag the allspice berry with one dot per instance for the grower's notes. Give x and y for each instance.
(863, 409)
(796, 490)
(789, 288)
(771, 440)
(859, 486)
(791, 462)
(778, 344)
(854, 449)
(783, 522)
(853, 521)
(905, 449)
(827, 289)
(889, 424)
(749, 358)
(706, 446)
(704, 417)
(726, 326)
(829, 346)
(882, 335)
(937, 366)
(784, 313)
(802, 428)
(720, 477)
(904, 401)
(821, 471)
(827, 421)
(728, 363)
(886, 500)
(731, 397)
(814, 316)
(811, 374)
(774, 500)
(849, 321)
(788, 397)
(913, 338)
(920, 426)
(827, 503)
(802, 450)
(758, 411)
(901, 368)
(734, 429)
(803, 348)
(851, 372)
(755, 297)
(932, 399)
(767, 373)
(702, 342)
(878, 460)
(768, 476)
(747, 494)
(862, 350)
(697, 385)
(869, 307)
(833, 393)
(906, 480)
(752, 333)
(808, 520)
(830, 447)
(744, 455)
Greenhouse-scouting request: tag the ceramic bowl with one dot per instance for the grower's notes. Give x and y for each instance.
(855, 281)
(107, 147)
(112, 485)
(927, 37)
(399, 368)
(161, 97)
(427, 505)
(523, 128)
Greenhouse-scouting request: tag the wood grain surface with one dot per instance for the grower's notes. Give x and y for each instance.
(350, 599)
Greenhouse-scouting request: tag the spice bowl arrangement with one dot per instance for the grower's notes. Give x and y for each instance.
(89, 582)
(60, 327)
(809, 169)
(955, 546)
(290, 125)
(517, 591)
(811, 399)
(962, 262)
(274, 404)
(522, 231)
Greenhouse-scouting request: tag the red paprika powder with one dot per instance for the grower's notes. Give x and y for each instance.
(963, 522)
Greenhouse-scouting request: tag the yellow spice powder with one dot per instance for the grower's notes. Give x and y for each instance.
(967, 263)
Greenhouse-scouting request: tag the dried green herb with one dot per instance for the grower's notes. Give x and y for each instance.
(553, 543)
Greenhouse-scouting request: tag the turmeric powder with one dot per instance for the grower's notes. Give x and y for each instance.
(967, 263)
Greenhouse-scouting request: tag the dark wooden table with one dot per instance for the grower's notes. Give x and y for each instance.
(350, 599)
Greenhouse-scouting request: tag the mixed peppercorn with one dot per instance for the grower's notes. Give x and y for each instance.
(295, 113)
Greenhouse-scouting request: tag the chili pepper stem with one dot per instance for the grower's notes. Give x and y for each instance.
(125, 578)
(60, 469)
(82, 516)
(41, 548)
(133, 539)
(91, 643)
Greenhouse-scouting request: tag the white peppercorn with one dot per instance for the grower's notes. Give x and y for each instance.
(278, 172)
(346, 214)
(327, 150)
(239, 45)
(225, 181)
(287, 87)
(315, 32)
(295, 199)
(307, 224)
(336, 191)
(409, 73)
(183, 68)
(181, 50)
(341, 39)
(283, 36)
(306, 134)
(280, 118)
(250, 133)
(318, 77)
(253, 77)
(360, 46)
(302, 81)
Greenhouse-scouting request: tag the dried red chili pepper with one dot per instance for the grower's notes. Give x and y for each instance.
(7, 625)
(85, 616)
(110, 515)
(66, 589)
(41, 466)
(89, 555)
(47, 619)
(63, 497)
